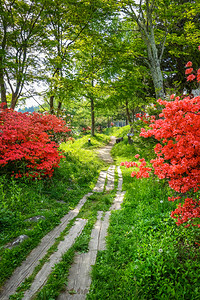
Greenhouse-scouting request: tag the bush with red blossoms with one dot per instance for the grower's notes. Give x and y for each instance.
(191, 73)
(143, 117)
(178, 151)
(28, 144)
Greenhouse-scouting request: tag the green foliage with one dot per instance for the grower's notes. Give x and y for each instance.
(58, 278)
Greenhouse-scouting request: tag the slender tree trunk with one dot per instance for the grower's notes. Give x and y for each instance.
(92, 116)
(133, 114)
(51, 108)
(14, 101)
(108, 124)
(157, 79)
(59, 108)
(128, 113)
(155, 68)
(145, 22)
(2, 83)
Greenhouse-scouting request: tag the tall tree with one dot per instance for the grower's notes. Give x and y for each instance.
(182, 43)
(21, 27)
(145, 14)
(68, 23)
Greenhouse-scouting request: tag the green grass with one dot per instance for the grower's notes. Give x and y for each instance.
(117, 131)
(58, 278)
(124, 151)
(99, 140)
(147, 256)
(51, 198)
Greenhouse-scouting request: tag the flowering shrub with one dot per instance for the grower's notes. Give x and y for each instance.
(143, 117)
(29, 143)
(178, 151)
(190, 72)
(86, 130)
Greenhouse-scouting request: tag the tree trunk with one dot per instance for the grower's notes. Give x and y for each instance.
(157, 79)
(128, 113)
(14, 100)
(145, 22)
(59, 108)
(155, 68)
(51, 108)
(2, 84)
(108, 123)
(133, 114)
(92, 116)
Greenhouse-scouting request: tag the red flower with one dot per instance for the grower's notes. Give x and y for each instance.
(189, 64)
(189, 71)
(191, 77)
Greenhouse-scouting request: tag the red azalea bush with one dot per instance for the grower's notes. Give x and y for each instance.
(28, 143)
(178, 152)
(178, 156)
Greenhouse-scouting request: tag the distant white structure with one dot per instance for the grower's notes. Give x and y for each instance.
(196, 92)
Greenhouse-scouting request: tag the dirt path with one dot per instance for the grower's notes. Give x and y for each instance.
(79, 276)
(104, 153)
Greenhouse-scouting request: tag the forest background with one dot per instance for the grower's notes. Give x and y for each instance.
(90, 61)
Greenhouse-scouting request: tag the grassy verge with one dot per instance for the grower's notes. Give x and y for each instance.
(147, 256)
(124, 151)
(49, 198)
(117, 131)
